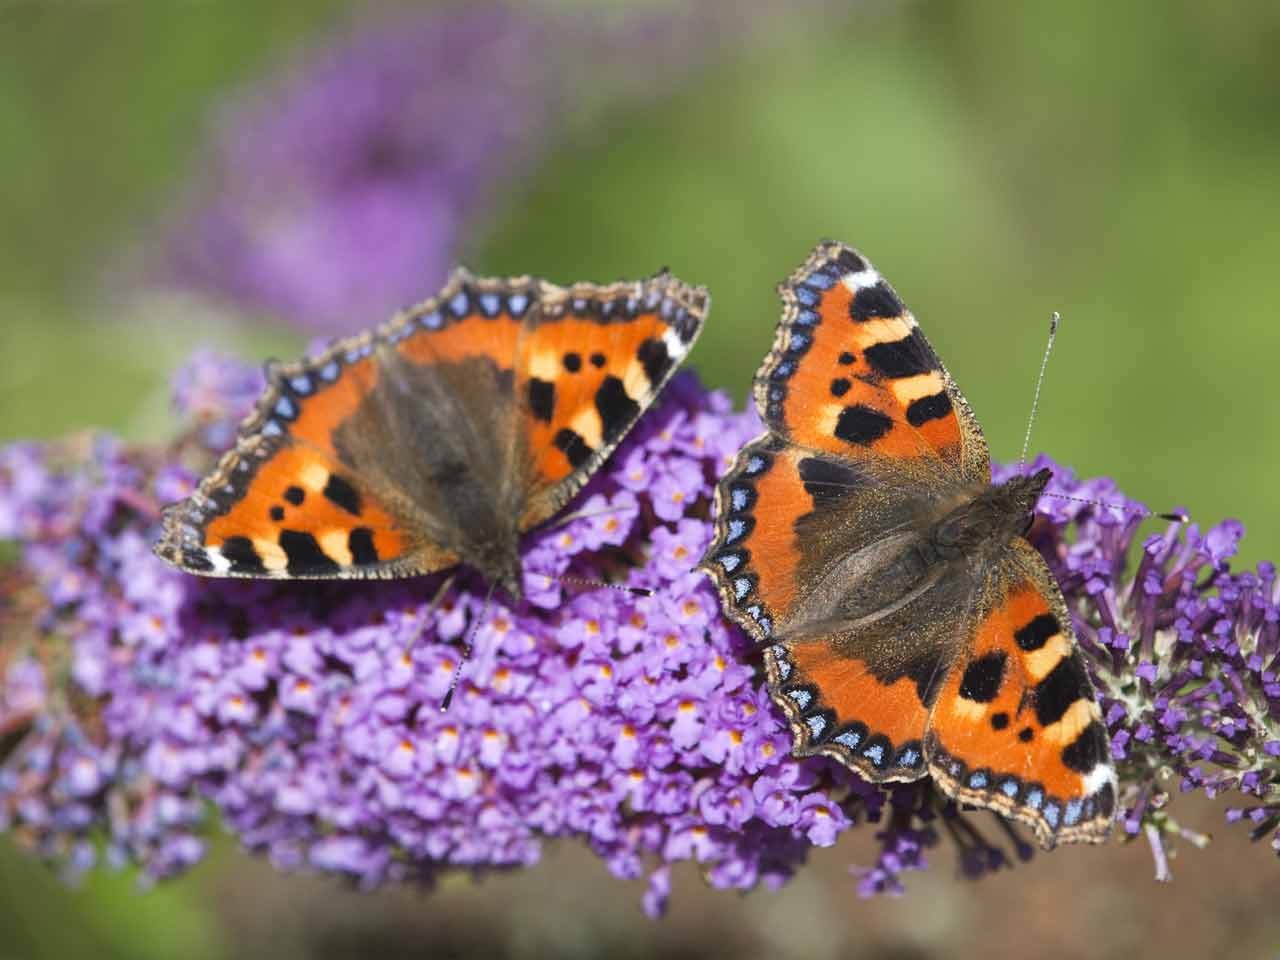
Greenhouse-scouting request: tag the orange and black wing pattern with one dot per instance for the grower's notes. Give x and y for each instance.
(589, 363)
(437, 437)
(1016, 726)
(322, 481)
(863, 423)
(851, 374)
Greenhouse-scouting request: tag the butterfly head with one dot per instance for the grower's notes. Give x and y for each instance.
(1018, 496)
(505, 572)
(988, 521)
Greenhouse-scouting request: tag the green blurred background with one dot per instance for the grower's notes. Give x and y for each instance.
(1116, 162)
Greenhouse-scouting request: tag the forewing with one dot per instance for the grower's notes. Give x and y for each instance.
(1016, 727)
(283, 504)
(591, 360)
(787, 521)
(379, 458)
(852, 374)
(821, 483)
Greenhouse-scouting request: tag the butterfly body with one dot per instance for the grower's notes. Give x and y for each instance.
(908, 627)
(953, 540)
(438, 438)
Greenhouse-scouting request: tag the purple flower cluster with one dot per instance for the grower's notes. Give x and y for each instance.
(308, 714)
(1185, 652)
(132, 696)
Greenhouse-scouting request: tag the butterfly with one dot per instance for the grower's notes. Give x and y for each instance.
(438, 438)
(908, 627)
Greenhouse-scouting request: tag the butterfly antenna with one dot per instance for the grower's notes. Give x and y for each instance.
(1173, 516)
(466, 651)
(1035, 400)
(584, 582)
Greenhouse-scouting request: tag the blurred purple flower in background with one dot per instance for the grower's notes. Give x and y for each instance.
(343, 189)
(132, 694)
(337, 194)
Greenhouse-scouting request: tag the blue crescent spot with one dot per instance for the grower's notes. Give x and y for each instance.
(433, 320)
(806, 318)
(737, 498)
(300, 385)
(850, 739)
(1035, 797)
(875, 753)
(909, 757)
(766, 625)
(490, 303)
(330, 371)
(754, 465)
(271, 429)
(801, 697)
(781, 662)
(820, 279)
(1009, 788)
(286, 408)
(737, 527)
(816, 724)
(517, 303)
(806, 296)
(459, 304)
(1051, 812)
(741, 587)
(800, 341)
(730, 561)
(978, 780)
(1072, 814)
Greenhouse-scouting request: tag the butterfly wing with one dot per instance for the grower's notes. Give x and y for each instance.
(865, 430)
(1021, 700)
(411, 424)
(590, 361)
(866, 435)
(852, 374)
(424, 442)
(859, 690)
(285, 502)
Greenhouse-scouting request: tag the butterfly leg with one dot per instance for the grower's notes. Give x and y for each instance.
(433, 605)
(466, 650)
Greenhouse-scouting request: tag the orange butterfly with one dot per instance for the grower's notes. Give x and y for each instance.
(909, 628)
(439, 437)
